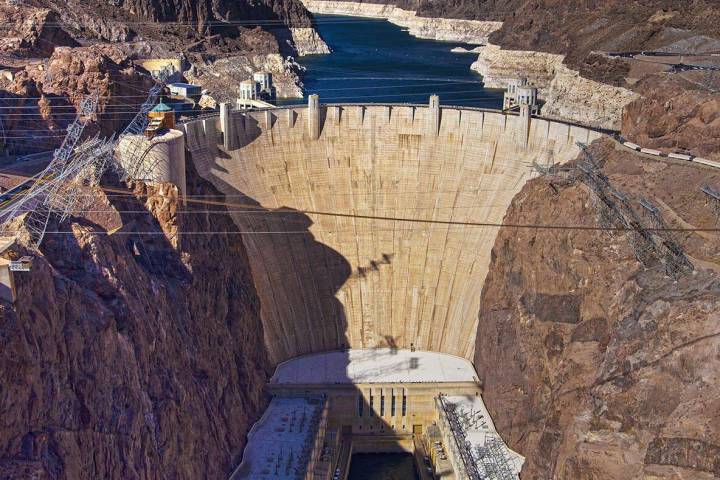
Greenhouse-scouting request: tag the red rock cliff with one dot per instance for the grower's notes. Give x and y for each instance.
(127, 358)
(593, 365)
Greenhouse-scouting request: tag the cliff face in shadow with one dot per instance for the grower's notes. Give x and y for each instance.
(204, 12)
(595, 366)
(137, 355)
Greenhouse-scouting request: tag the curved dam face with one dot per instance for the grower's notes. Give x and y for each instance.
(349, 281)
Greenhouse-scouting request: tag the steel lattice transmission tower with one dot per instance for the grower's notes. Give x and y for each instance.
(39, 200)
(57, 191)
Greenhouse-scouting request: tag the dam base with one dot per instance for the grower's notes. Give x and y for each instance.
(373, 401)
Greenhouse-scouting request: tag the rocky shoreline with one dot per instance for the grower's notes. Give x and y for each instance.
(566, 94)
(445, 29)
(307, 41)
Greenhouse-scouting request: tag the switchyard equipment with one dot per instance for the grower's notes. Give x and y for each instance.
(40, 200)
(482, 452)
(615, 211)
(714, 197)
(53, 192)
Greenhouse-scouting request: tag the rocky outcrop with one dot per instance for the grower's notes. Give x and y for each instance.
(48, 93)
(468, 31)
(566, 94)
(595, 366)
(133, 355)
(89, 24)
(497, 66)
(677, 114)
(31, 31)
(307, 41)
(571, 96)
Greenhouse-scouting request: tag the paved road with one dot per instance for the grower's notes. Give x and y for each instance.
(696, 160)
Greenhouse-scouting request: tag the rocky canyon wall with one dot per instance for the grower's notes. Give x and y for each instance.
(566, 94)
(593, 365)
(680, 114)
(572, 96)
(135, 355)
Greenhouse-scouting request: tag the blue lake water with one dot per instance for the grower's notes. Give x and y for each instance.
(376, 61)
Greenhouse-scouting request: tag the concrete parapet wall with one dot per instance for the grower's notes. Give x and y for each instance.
(328, 281)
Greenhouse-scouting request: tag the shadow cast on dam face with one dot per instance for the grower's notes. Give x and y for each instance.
(296, 277)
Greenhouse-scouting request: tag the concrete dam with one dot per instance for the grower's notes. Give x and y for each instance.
(341, 209)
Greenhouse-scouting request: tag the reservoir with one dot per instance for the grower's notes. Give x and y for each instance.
(373, 60)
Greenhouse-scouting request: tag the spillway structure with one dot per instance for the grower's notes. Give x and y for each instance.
(369, 230)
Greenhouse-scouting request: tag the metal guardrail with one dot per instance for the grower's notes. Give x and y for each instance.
(477, 462)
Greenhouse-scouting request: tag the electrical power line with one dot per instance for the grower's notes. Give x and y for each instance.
(255, 208)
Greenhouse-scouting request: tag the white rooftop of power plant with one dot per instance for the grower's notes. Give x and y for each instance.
(382, 365)
(492, 458)
(281, 442)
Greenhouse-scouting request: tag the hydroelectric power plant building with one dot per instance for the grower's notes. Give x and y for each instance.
(369, 230)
